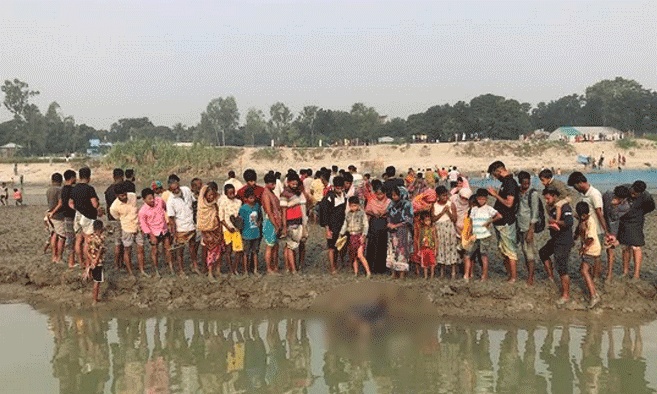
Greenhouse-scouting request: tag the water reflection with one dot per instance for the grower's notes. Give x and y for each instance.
(93, 354)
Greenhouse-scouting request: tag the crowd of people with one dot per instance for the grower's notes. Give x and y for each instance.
(421, 221)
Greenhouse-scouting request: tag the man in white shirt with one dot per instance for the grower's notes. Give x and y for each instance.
(233, 181)
(180, 215)
(358, 178)
(593, 198)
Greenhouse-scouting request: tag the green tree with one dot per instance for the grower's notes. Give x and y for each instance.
(255, 128)
(281, 119)
(221, 117)
(17, 96)
(619, 101)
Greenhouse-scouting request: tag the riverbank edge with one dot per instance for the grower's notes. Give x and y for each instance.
(48, 286)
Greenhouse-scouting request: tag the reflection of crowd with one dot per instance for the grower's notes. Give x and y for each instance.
(173, 355)
(217, 357)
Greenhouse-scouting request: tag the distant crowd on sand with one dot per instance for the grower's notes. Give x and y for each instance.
(416, 222)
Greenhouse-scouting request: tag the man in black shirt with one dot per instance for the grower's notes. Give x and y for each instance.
(68, 213)
(113, 227)
(130, 178)
(391, 180)
(85, 202)
(506, 202)
(560, 243)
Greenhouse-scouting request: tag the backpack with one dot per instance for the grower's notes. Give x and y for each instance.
(540, 225)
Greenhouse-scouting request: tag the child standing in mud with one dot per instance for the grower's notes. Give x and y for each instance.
(426, 244)
(482, 216)
(96, 250)
(590, 248)
(357, 226)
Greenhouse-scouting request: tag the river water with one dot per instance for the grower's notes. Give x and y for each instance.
(68, 353)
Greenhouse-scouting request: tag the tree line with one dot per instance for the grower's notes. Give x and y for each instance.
(620, 103)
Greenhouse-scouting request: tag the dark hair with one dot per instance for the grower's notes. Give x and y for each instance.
(354, 200)
(453, 184)
(552, 191)
(249, 192)
(351, 167)
(85, 173)
(293, 177)
(338, 181)
(522, 175)
(440, 190)
(147, 192)
(122, 188)
(494, 166)
(390, 171)
(334, 168)
(582, 208)
(231, 174)
(117, 173)
(195, 180)
(250, 175)
(129, 173)
(545, 174)
(348, 177)
(395, 190)
(213, 186)
(639, 186)
(576, 178)
(98, 225)
(481, 192)
(173, 178)
(367, 176)
(69, 174)
(270, 177)
(56, 177)
(277, 174)
(621, 192)
(377, 185)
(472, 199)
(227, 187)
(424, 215)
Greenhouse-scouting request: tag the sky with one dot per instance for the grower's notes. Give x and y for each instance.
(105, 60)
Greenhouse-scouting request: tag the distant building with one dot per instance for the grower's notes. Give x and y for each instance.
(386, 140)
(586, 133)
(98, 148)
(9, 150)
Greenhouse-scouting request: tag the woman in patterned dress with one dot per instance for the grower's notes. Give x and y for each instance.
(444, 217)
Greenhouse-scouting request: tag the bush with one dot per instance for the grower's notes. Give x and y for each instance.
(155, 159)
(627, 143)
(267, 154)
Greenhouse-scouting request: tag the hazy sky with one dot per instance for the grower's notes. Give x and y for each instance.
(102, 61)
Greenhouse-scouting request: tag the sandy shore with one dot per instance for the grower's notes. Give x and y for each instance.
(26, 275)
(468, 157)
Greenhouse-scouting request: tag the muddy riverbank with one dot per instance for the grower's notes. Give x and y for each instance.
(27, 275)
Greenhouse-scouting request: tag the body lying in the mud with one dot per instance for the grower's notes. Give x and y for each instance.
(26, 274)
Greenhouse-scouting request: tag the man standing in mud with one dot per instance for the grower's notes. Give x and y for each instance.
(506, 201)
(295, 230)
(124, 209)
(114, 229)
(271, 226)
(560, 243)
(181, 223)
(68, 213)
(85, 202)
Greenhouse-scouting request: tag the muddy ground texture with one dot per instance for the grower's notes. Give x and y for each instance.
(27, 275)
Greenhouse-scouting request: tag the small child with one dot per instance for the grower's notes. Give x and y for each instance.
(4, 194)
(590, 248)
(426, 243)
(18, 197)
(252, 219)
(96, 250)
(483, 216)
(357, 226)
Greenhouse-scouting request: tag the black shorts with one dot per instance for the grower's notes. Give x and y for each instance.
(330, 242)
(250, 246)
(561, 256)
(159, 238)
(97, 274)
